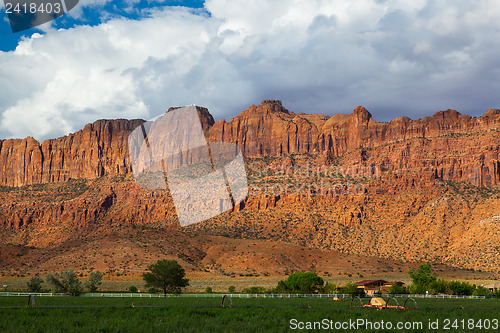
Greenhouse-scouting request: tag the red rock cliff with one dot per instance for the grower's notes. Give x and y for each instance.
(98, 149)
(447, 145)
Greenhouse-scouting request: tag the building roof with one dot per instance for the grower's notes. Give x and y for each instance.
(492, 286)
(366, 282)
(395, 282)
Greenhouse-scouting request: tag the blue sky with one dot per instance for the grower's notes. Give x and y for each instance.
(92, 15)
(135, 59)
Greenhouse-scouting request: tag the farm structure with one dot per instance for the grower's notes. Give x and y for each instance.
(379, 303)
(492, 286)
(370, 287)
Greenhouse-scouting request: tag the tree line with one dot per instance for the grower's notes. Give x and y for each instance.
(66, 282)
(168, 277)
(423, 282)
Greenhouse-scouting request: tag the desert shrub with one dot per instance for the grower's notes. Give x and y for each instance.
(35, 284)
(65, 282)
(255, 290)
(94, 281)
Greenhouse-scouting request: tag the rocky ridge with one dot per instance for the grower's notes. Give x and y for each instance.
(447, 145)
(428, 185)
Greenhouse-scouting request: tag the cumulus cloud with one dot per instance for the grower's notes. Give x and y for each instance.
(394, 57)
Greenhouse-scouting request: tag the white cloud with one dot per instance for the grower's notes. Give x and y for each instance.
(394, 57)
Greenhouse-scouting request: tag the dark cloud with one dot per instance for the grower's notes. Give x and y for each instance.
(396, 58)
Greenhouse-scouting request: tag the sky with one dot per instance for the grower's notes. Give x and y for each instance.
(109, 59)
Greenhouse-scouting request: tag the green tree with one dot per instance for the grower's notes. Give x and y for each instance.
(461, 288)
(304, 283)
(254, 290)
(397, 289)
(166, 275)
(422, 278)
(94, 281)
(281, 288)
(231, 289)
(65, 282)
(132, 289)
(351, 289)
(208, 290)
(35, 284)
(329, 288)
(481, 291)
(439, 287)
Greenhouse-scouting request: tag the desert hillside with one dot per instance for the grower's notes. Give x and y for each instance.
(403, 191)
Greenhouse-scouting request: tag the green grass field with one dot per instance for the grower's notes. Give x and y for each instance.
(96, 314)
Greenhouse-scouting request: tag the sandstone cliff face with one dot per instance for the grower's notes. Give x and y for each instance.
(99, 149)
(430, 199)
(270, 130)
(447, 145)
(456, 226)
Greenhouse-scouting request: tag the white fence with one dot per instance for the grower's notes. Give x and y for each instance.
(145, 295)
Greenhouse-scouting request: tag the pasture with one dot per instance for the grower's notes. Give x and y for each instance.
(205, 314)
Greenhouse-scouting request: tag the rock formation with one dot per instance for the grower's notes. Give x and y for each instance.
(409, 190)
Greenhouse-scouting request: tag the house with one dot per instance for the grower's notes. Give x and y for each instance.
(492, 286)
(370, 287)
